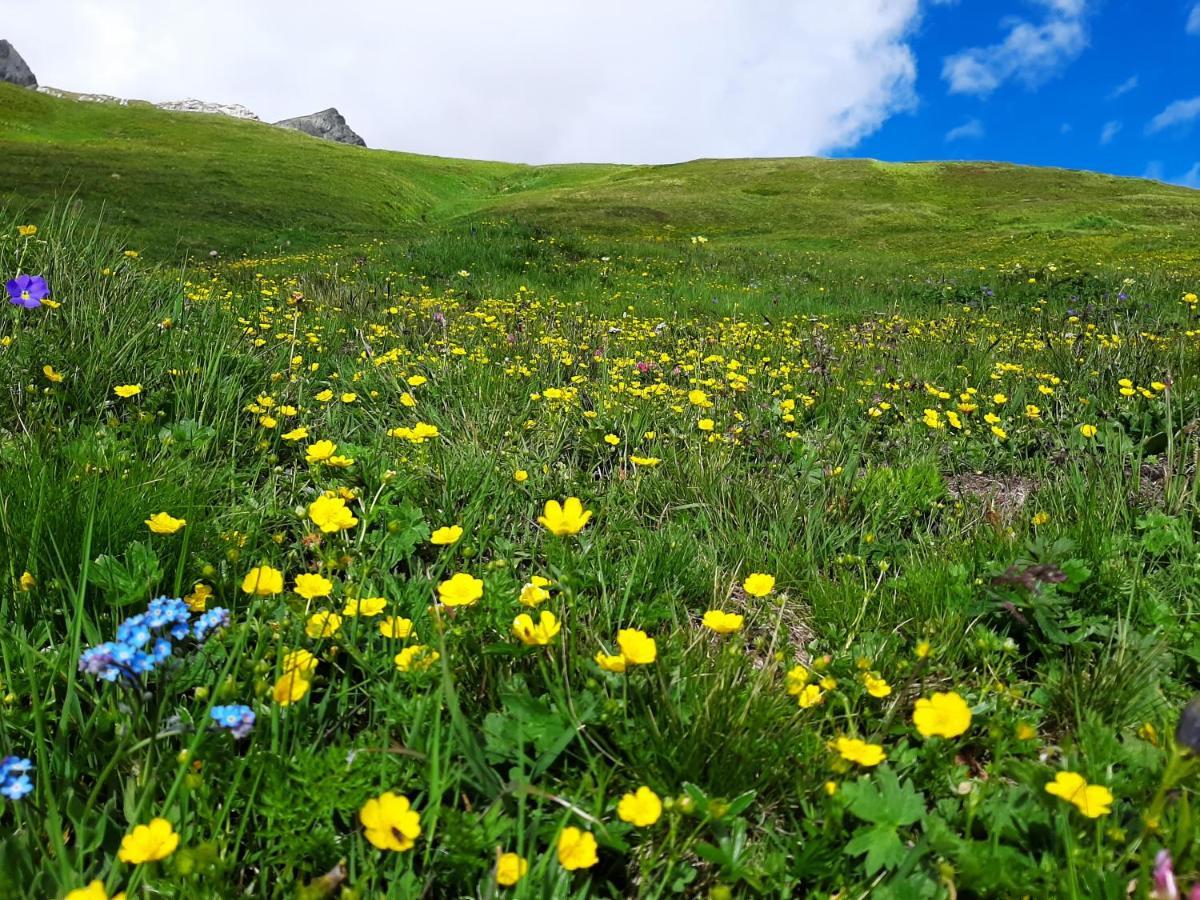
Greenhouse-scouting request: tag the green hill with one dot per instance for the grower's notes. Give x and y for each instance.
(180, 180)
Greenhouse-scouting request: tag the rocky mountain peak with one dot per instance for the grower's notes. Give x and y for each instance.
(13, 68)
(328, 124)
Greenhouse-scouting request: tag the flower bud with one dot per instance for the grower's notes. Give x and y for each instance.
(1187, 733)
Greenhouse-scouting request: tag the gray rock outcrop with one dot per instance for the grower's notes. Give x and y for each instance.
(328, 125)
(235, 110)
(13, 68)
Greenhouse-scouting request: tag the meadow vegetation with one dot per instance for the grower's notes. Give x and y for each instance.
(591, 532)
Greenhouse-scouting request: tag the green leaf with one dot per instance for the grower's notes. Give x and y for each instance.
(880, 843)
(714, 855)
(131, 581)
(739, 804)
(885, 801)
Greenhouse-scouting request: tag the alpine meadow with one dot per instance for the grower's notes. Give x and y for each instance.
(383, 525)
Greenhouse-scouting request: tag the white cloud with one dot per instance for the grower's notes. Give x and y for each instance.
(968, 130)
(1123, 88)
(535, 81)
(1156, 172)
(1030, 53)
(1193, 21)
(1181, 112)
(1109, 131)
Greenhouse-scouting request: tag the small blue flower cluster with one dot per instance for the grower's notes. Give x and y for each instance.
(145, 641)
(238, 719)
(14, 777)
(217, 617)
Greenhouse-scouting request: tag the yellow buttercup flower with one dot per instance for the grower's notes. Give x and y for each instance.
(367, 606)
(395, 627)
(510, 868)
(809, 696)
(263, 581)
(723, 622)
(197, 600)
(94, 891)
(301, 661)
(641, 808)
(876, 686)
(758, 585)
(460, 590)
(416, 658)
(942, 715)
(860, 752)
(637, 647)
(565, 519)
(797, 677)
(536, 635)
(417, 434)
(291, 687)
(148, 843)
(576, 849)
(1088, 431)
(1092, 800)
(535, 591)
(310, 586)
(610, 663)
(330, 513)
(446, 535)
(390, 822)
(125, 391)
(164, 523)
(51, 374)
(319, 451)
(323, 624)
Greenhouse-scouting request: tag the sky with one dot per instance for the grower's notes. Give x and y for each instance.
(1108, 85)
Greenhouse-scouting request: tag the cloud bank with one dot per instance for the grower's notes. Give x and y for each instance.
(1180, 112)
(972, 129)
(1030, 52)
(535, 81)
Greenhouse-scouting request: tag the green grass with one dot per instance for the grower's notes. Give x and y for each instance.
(193, 182)
(547, 321)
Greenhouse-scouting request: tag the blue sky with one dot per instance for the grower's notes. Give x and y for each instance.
(1090, 94)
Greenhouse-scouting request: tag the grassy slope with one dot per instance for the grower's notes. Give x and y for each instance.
(926, 210)
(211, 181)
(208, 181)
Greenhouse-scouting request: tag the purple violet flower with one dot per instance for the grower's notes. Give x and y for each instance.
(27, 291)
